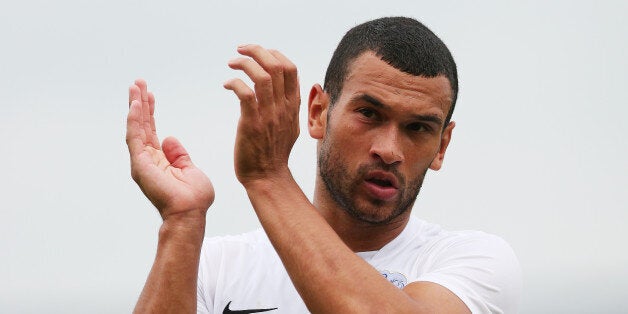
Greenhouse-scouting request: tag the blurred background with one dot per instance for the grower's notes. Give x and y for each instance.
(539, 154)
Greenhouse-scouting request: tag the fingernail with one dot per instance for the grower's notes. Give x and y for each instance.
(242, 45)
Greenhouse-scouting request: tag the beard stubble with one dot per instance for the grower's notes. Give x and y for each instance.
(343, 187)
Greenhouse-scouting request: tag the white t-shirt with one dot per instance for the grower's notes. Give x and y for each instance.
(245, 273)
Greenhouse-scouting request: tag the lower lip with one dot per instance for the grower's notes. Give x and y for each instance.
(384, 193)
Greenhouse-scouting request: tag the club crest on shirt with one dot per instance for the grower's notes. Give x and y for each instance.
(397, 279)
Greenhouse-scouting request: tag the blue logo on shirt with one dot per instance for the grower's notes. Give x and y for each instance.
(396, 279)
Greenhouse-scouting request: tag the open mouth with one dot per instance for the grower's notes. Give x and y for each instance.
(382, 179)
(381, 182)
(382, 185)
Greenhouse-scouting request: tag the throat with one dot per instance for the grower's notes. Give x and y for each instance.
(361, 236)
(358, 235)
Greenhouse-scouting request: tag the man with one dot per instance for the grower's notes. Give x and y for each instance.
(381, 121)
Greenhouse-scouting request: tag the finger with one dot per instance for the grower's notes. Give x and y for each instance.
(151, 103)
(151, 139)
(134, 130)
(269, 63)
(263, 82)
(176, 153)
(290, 76)
(248, 104)
(151, 107)
(134, 94)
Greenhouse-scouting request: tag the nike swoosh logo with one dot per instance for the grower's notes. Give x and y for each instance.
(227, 310)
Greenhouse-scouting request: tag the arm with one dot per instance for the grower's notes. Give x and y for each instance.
(318, 262)
(182, 194)
(316, 257)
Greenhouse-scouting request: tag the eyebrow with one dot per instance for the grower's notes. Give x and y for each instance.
(377, 103)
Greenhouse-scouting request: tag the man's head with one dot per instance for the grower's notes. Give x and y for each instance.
(402, 42)
(383, 119)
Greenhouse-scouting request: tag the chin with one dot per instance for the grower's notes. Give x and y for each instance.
(376, 212)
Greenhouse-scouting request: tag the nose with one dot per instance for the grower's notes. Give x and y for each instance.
(386, 146)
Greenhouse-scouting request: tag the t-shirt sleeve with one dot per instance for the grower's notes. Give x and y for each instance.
(481, 269)
(206, 284)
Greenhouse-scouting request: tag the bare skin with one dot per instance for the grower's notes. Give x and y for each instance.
(317, 249)
(387, 119)
(316, 242)
(182, 193)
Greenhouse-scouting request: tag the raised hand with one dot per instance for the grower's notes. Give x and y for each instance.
(165, 173)
(269, 120)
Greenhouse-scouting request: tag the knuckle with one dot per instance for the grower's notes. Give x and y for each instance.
(294, 102)
(275, 68)
(264, 79)
(274, 122)
(291, 68)
(255, 128)
(248, 96)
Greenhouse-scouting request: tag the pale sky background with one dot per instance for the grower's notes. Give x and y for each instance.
(539, 154)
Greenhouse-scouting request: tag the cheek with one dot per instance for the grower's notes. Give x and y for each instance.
(350, 140)
(419, 159)
(356, 151)
(424, 151)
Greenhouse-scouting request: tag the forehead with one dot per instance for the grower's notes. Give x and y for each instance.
(370, 75)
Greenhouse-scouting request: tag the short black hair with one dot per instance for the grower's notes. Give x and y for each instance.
(402, 42)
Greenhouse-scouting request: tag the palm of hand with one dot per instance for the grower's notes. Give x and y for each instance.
(170, 188)
(164, 173)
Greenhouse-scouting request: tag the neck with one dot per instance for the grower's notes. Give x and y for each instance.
(359, 236)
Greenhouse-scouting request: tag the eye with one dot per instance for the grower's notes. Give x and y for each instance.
(366, 112)
(417, 127)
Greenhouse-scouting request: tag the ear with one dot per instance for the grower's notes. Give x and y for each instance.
(437, 162)
(317, 106)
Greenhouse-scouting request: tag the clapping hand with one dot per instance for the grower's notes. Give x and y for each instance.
(165, 173)
(269, 120)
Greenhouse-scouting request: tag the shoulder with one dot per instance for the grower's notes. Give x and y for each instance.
(255, 237)
(228, 255)
(471, 243)
(480, 268)
(466, 244)
(235, 244)
(237, 266)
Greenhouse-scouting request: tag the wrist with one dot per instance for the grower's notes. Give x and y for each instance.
(184, 226)
(276, 181)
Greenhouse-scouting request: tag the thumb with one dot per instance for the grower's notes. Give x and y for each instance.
(175, 153)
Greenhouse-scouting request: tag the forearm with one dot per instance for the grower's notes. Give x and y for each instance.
(171, 284)
(327, 274)
(182, 193)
